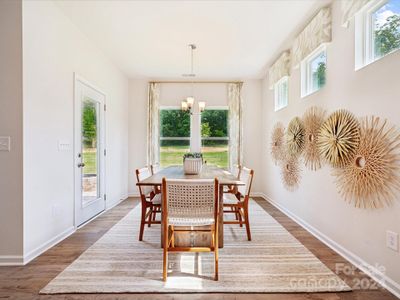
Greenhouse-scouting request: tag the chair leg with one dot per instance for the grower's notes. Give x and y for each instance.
(246, 220)
(142, 222)
(154, 214)
(150, 217)
(239, 216)
(172, 237)
(165, 253)
(216, 246)
(236, 214)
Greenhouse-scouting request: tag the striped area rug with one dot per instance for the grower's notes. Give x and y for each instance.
(274, 261)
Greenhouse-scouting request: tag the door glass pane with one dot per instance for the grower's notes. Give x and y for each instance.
(90, 155)
(214, 137)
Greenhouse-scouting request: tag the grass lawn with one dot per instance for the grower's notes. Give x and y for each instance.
(89, 159)
(170, 155)
(213, 155)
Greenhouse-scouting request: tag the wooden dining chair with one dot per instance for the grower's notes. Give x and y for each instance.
(235, 170)
(150, 201)
(189, 203)
(155, 168)
(239, 203)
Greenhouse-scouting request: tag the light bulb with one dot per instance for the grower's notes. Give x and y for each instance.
(202, 106)
(190, 101)
(184, 106)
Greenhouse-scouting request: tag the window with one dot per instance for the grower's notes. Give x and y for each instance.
(281, 91)
(377, 31)
(313, 72)
(174, 136)
(215, 137)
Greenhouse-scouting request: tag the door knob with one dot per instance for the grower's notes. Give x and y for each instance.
(81, 165)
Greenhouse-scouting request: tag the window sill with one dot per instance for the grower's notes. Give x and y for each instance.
(358, 68)
(311, 93)
(280, 108)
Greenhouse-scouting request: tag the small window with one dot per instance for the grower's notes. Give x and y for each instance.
(313, 72)
(174, 136)
(377, 31)
(215, 137)
(281, 91)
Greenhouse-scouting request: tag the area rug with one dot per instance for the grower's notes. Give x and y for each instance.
(273, 262)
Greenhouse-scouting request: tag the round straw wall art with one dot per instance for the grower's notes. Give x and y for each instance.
(291, 172)
(295, 137)
(278, 142)
(372, 176)
(313, 119)
(338, 138)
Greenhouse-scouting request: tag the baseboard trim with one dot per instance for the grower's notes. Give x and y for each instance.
(47, 245)
(257, 194)
(368, 269)
(11, 260)
(133, 195)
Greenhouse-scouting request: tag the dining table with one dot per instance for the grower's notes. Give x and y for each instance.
(225, 178)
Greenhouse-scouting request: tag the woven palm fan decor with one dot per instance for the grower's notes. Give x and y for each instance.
(278, 142)
(313, 119)
(338, 138)
(373, 175)
(290, 171)
(295, 137)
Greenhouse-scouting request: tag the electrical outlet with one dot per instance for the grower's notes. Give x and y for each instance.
(392, 240)
(5, 142)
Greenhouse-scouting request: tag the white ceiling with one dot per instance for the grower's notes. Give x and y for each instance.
(235, 39)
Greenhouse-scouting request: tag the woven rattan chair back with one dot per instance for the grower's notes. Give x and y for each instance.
(246, 176)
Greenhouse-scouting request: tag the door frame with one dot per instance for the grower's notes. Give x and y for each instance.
(77, 146)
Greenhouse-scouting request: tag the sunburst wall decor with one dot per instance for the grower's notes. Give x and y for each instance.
(313, 118)
(295, 137)
(278, 142)
(338, 138)
(373, 175)
(290, 169)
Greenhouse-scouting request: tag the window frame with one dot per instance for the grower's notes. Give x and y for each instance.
(364, 35)
(306, 75)
(277, 94)
(195, 139)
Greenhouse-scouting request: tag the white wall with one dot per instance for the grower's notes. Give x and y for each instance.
(372, 90)
(11, 185)
(213, 94)
(53, 49)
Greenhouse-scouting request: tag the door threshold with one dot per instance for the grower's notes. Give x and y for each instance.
(91, 219)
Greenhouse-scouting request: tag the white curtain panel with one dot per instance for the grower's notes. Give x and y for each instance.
(235, 124)
(317, 32)
(153, 128)
(279, 69)
(350, 8)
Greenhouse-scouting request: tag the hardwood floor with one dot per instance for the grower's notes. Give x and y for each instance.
(25, 282)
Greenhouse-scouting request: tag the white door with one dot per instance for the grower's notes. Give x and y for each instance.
(89, 151)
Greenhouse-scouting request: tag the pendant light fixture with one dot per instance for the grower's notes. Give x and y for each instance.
(188, 103)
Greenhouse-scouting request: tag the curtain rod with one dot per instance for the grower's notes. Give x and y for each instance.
(176, 81)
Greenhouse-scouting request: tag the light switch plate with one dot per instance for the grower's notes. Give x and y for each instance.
(64, 145)
(5, 142)
(392, 240)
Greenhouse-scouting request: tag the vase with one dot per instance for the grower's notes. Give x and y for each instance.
(192, 166)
